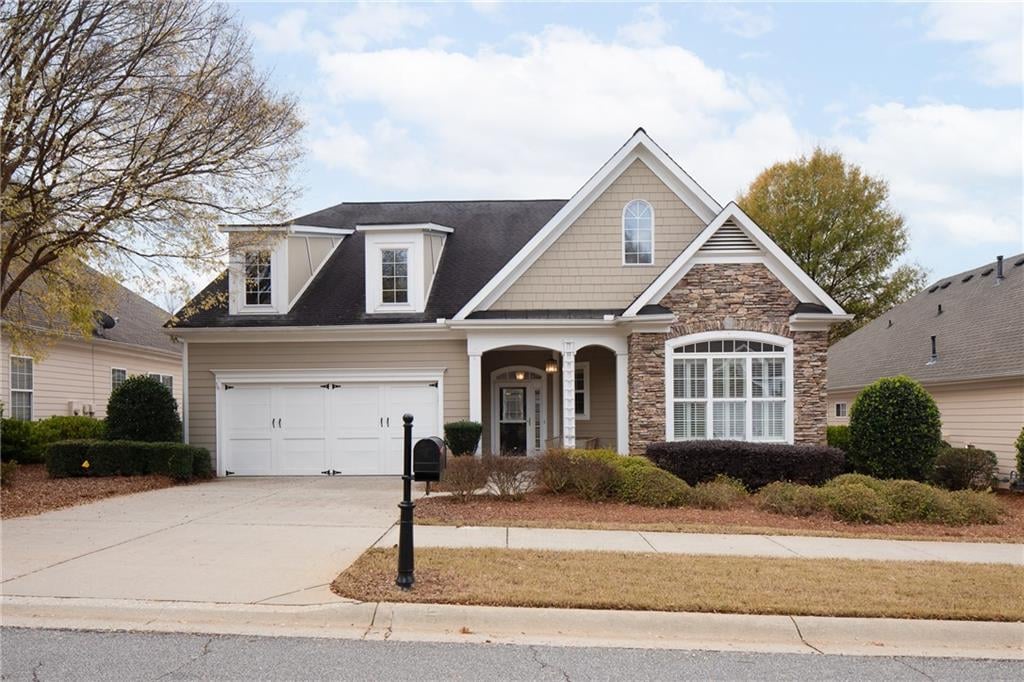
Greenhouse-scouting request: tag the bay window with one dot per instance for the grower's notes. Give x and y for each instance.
(728, 386)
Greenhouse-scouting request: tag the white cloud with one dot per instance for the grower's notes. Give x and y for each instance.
(647, 28)
(286, 34)
(744, 23)
(994, 30)
(486, 7)
(367, 25)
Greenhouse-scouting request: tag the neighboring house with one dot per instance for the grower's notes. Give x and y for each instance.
(639, 310)
(75, 374)
(963, 339)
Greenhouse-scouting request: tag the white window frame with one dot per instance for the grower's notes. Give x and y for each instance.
(117, 369)
(245, 278)
(31, 391)
(381, 250)
(844, 410)
(161, 378)
(623, 232)
(583, 367)
(787, 352)
(376, 244)
(278, 281)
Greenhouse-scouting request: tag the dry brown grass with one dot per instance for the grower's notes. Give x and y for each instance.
(659, 582)
(33, 492)
(541, 510)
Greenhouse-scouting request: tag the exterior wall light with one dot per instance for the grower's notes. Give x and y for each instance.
(551, 366)
(520, 375)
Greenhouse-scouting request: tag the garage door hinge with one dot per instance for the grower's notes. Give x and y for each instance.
(330, 472)
(228, 387)
(325, 385)
(229, 473)
(433, 385)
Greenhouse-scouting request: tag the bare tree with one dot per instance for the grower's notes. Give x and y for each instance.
(129, 130)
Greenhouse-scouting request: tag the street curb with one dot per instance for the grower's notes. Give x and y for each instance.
(532, 626)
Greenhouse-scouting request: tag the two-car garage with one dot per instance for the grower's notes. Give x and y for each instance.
(319, 422)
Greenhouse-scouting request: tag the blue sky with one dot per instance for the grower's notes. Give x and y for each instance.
(504, 100)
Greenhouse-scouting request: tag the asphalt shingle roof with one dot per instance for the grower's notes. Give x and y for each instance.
(979, 333)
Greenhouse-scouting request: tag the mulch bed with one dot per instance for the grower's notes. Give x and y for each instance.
(33, 492)
(541, 510)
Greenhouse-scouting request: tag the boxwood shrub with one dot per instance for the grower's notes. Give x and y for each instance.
(839, 437)
(127, 458)
(17, 441)
(965, 468)
(462, 437)
(755, 464)
(143, 409)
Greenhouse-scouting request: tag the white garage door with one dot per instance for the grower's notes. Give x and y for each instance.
(296, 429)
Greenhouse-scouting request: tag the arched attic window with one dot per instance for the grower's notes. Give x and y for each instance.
(638, 233)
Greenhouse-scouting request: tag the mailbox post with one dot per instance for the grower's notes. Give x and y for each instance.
(406, 578)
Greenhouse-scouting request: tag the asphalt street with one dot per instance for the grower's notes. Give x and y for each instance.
(30, 654)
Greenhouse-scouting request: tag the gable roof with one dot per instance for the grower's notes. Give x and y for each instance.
(486, 234)
(979, 333)
(639, 146)
(737, 232)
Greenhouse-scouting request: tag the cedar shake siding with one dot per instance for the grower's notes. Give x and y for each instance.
(714, 297)
(583, 268)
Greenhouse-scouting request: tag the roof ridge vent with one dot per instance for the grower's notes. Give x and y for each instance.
(728, 238)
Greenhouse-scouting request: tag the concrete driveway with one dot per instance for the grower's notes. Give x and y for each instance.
(236, 540)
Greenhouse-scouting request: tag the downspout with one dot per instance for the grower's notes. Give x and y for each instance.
(184, 391)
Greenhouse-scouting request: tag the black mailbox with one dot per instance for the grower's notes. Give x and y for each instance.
(428, 457)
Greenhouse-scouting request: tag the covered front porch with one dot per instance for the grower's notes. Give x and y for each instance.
(540, 391)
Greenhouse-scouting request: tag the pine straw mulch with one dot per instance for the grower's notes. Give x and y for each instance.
(33, 492)
(540, 510)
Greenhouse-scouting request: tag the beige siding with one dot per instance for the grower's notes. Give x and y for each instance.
(432, 247)
(305, 254)
(79, 371)
(986, 414)
(204, 357)
(583, 268)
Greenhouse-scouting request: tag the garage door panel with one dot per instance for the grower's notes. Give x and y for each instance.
(250, 456)
(300, 456)
(355, 456)
(248, 411)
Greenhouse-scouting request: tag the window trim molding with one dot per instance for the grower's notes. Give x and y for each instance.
(584, 367)
(622, 233)
(672, 344)
(846, 409)
(112, 370)
(375, 243)
(31, 391)
(278, 281)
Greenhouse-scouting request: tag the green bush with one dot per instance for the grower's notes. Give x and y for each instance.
(721, 493)
(895, 430)
(462, 437)
(126, 458)
(143, 409)
(8, 473)
(65, 458)
(973, 507)
(17, 441)
(1020, 456)
(856, 503)
(790, 499)
(839, 437)
(594, 479)
(554, 469)
(463, 476)
(965, 468)
(913, 501)
(649, 486)
(846, 479)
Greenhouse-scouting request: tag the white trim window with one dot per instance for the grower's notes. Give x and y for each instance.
(582, 390)
(118, 375)
(638, 233)
(729, 385)
(259, 285)
(22, 387)
(165, 379)
(394, 282)
(841, 410)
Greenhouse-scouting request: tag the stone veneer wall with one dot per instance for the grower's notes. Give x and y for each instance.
(712, 297)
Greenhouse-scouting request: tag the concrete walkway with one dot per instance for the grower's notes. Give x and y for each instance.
(784, 546)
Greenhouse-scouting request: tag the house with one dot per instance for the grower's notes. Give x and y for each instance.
(75, 374)
(639, 310)
(963, 339)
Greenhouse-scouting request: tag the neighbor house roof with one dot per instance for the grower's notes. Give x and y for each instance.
(486, 234)
(979, 333)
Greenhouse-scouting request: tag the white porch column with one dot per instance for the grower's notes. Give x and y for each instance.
(475, 390)
(622, 402)
(556, 408)
(568, 394)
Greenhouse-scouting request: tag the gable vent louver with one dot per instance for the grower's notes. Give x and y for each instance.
(729, 238)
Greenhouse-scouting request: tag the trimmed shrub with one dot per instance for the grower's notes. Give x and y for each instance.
(462, 437)
(115, 458)
(971, 507)
(554, 470)
(721, 493)
(65, 458)
(512, 476)
(53, 429)
(126, 458)
(8, 473)
(895, 430)
(790, 499)
(143, 409)
(463, 476)
(594, 479)
(755, 464)
(856, 503)
(846, 479)
(913, 501)
(965, 468)
(1020, 457)
(649, 486)
(839, 437)
(17, 441)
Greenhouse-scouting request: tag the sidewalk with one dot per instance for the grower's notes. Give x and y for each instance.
(530, 626)
(778, 546)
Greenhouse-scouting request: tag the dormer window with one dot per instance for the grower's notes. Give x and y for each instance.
(258, 279)
(638, 233)
(394, 275)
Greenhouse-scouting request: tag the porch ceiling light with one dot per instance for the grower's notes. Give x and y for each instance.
(520, 375)
(551, 366)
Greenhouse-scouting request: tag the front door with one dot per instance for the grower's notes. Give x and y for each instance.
(512, 418)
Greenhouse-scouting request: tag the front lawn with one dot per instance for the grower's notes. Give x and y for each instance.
(541, 510)
(659, 582)
(33, 492)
